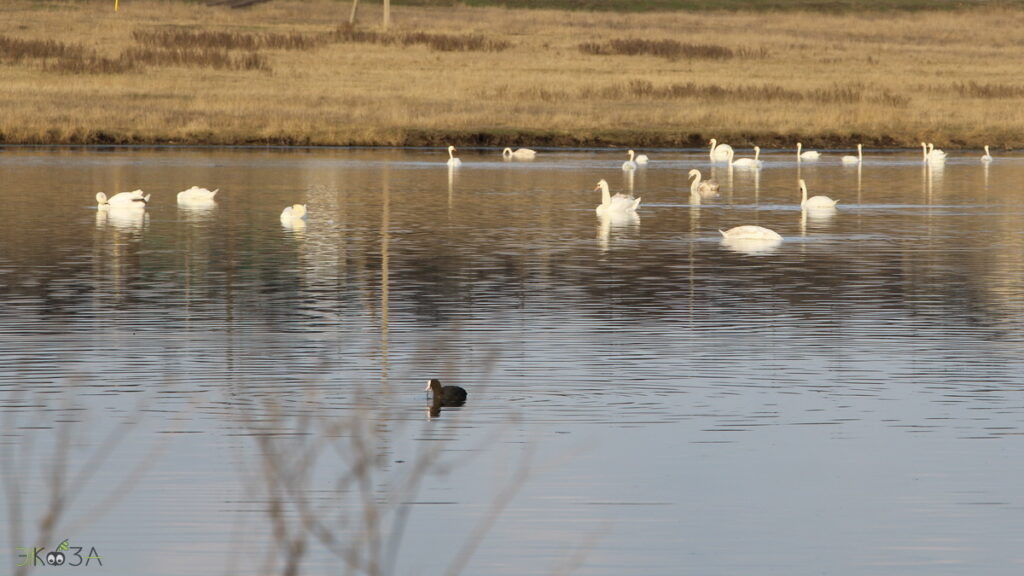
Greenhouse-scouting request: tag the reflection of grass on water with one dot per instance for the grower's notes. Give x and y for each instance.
(288, 72)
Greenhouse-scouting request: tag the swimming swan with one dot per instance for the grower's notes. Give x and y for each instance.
(618, 204)
(520, 154)
(293, 213)
(987, 157)
(719, 152)
(196, 194)
(931, 154)
(629, 164)
(754, 162)
(749, 232)
(808, 155)
(452, 160)
(133, 198)
(641, 159)
(705, 188)
(855, 159)
(814, 202)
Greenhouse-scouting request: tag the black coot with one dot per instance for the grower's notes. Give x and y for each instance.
(446, 395)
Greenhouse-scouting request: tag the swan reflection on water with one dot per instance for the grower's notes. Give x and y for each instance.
(125, 218)
(618, 221)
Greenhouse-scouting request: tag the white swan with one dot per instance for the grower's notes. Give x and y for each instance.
(293, 214)
(987, 157)
(706, 188)
(754, 162)
(814, 202)
(750, 232)
(629, 164)
(808, 155)
(855, 159)
(719, 152)
(196, 194)
(519, 154)
(612, 205)
(133, 198)
(641, 159)
(452, 160)
(931, 154)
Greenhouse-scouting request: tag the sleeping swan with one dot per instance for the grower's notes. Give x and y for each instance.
(293, 214)
(196, 194)
(133, 198)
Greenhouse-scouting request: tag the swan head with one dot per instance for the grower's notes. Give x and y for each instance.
(631, 154)
(101, 198)
(799, 146)
(713, 142)
(602, 185)
(506, 152)
(757, 149)
(693, 172)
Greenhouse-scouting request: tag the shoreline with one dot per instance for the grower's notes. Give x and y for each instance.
(291, 73)
(501, 140)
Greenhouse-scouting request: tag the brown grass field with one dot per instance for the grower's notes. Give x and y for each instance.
(293, 72)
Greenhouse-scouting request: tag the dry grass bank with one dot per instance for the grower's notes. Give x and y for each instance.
(287, 72)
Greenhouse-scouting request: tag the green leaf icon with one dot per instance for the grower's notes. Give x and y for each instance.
(63, 545)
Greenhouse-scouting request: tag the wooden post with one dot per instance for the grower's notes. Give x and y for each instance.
(387, 13)
(352, 15)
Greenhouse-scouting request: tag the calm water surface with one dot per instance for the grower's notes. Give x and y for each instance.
(221, 394)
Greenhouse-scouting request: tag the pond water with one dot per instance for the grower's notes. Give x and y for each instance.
(205, 390)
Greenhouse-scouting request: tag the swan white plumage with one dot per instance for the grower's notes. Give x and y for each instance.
(814, 202)
(754, 162)
(641, 159)
(293, 213)
(807, 155)
(452, 160)
(618, 204)
(986, 157)
(855, 159)
(196, 194)
(720, 152)
(931, 154)
(750, 232)
(133, 198)
(629, 164)
(519, 154)
(706, 188)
